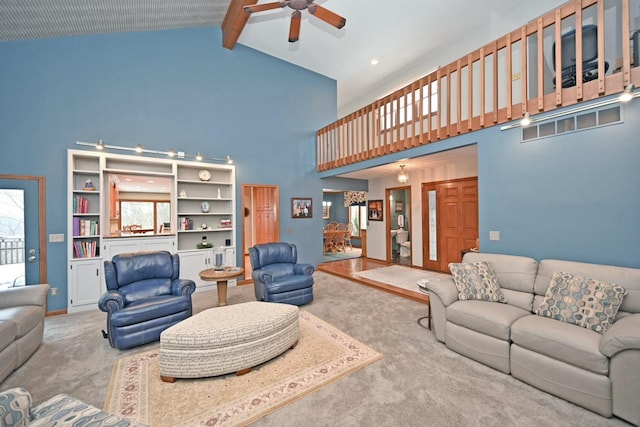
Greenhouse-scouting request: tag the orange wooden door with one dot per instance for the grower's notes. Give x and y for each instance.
(260, 219)
(456, 220)
(458, 204)
(266, 220)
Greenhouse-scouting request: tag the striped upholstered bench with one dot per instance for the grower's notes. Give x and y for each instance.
(227, 339)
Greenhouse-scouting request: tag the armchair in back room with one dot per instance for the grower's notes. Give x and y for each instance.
(277, 276)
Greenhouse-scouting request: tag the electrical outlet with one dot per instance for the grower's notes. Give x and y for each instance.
(494, 235)
(55, 238)
(54, 292)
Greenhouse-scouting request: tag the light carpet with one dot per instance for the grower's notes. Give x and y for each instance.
(402, 277)
(324, 354)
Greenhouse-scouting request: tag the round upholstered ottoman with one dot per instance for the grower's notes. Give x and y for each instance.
(227, 339)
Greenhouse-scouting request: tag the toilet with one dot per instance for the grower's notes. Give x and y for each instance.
(402, 239)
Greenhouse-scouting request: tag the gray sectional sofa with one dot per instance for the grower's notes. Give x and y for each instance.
(598, 371)
(22, 312)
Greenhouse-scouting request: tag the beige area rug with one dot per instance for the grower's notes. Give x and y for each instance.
(402, 277)
(324, 354)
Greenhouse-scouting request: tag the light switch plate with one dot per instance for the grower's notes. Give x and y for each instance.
(494, 235)
(55, 238)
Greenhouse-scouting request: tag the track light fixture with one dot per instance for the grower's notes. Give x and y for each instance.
(100, 145)
(627, 95)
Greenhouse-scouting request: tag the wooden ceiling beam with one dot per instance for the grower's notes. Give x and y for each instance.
(234, 22)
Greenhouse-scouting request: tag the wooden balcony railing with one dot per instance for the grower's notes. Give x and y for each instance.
(495, 84)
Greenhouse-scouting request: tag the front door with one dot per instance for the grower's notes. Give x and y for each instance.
(450, 221)
(23, 244)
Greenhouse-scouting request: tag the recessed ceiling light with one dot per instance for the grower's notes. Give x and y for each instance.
(374, 61)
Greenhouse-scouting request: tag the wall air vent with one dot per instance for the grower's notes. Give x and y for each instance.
(581, 121)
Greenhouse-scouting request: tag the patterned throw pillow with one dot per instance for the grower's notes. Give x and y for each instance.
(476, 281)
(15, 405)
(581, 301)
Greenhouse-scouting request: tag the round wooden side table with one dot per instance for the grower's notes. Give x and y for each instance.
(221, 277)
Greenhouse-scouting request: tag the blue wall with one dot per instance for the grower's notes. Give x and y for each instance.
(339, 213)
(163, 89)
(574, 196)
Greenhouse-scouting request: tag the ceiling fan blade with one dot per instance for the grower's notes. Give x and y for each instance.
(265, 6)
(294, 29)
(327, 16)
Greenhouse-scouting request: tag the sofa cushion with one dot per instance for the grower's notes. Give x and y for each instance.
(25, 317)
(628, 278)
(585, 302)
(290, 283)
(486, 317)
(151, 308)
(8, 333)
(562, 341)
(517, 273)
(476, 281)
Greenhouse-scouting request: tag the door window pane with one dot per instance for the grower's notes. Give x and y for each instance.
(12, 268)
(433, 238)
(357, 216)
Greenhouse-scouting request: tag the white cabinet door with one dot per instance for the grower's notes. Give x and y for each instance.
(229, 256)
(159, 244)
(193, 262)
(119, 246)
(86, 284)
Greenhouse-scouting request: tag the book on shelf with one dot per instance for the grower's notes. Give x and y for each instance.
(85, 227)
(85, 249)
(225, 223)
(186, 224)
(80, 205)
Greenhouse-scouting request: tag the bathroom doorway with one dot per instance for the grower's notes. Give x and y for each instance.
(399, 225)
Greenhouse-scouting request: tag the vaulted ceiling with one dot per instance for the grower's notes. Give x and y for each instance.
(408, 38)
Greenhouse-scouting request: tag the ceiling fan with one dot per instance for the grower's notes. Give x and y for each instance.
(298, 5)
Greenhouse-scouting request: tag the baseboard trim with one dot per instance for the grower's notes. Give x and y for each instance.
(56, 313)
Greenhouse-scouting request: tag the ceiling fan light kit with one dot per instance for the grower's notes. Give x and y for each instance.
(318, 11)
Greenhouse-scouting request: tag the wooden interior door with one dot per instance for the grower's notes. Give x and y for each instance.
(456, 221)
(260, 222)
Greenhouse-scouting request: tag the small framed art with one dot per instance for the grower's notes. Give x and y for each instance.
(374, 210)
(301, 207)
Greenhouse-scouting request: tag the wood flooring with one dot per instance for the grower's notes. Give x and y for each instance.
(348, 267)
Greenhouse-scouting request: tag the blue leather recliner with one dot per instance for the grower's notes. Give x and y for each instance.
(277, 277)
(144, 297)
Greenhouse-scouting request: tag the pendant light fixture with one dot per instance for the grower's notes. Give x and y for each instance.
(403, 176)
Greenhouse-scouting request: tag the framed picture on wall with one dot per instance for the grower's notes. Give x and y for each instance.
(374, 210)
(399, 206)
(301, 207)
